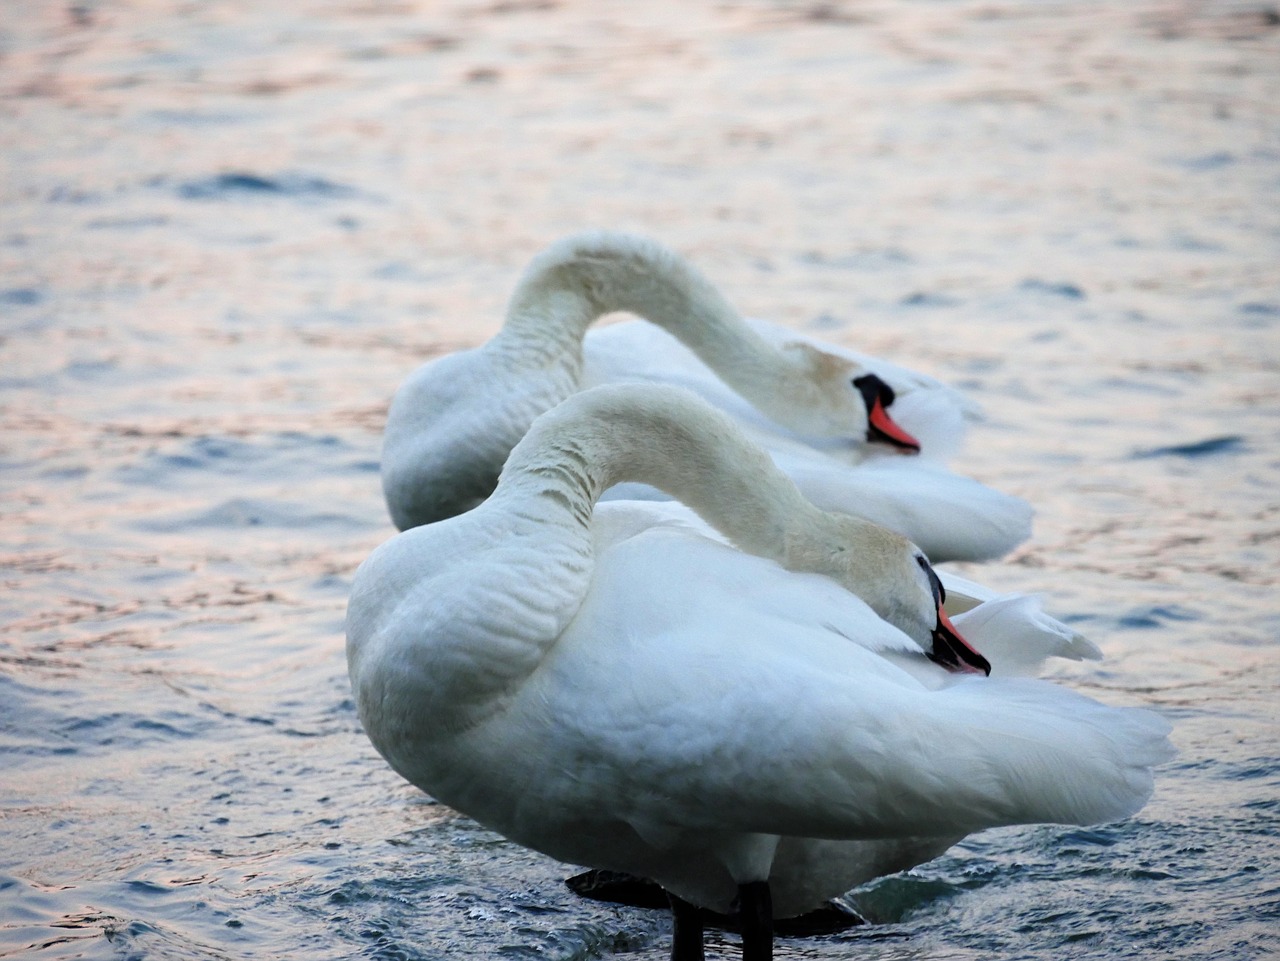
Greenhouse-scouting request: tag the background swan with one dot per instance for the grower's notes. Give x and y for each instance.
(724, 720)
(454, 420)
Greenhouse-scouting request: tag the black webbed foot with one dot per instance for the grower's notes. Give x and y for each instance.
(617, 887)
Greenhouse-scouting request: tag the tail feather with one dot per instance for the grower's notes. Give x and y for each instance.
(1016, 635)
(1042, 753)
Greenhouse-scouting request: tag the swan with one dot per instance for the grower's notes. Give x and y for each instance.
(756, 720)
(822, 412)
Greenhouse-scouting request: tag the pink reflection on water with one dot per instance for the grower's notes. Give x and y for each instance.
(230, 229)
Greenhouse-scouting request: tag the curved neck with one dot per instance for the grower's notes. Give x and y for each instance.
(669, 439)
(580, 279)
(515, 605)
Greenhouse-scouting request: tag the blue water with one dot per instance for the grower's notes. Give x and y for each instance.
(229, 230)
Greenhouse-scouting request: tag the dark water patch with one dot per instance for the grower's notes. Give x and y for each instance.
(1253, 768)
(1217, 160)
(1269, 805)
(1235, 769)
(30, 718)
(194, 118)
(1066, 291)
(1141, 383)
(241, 513)
(17, 755)
(41, 724)
(1226, 444)
(1157, 616)
(1260, 308)
(223, 455)
(1259, 314)
(1147, 874)
(248, 186)
(866, 260)
(417, 916)
(146, 889)
(1072, 841)
(127, 729)
(127, 223)
(91, 371)
(1111, 887)
(144, 939)
(27, 931)
(928, 299)
(66, 194)
(401, 271)
(332, 585)
(894, 899)
(178, 462)
(20, 297)
(1039, 920)
(1189, 242)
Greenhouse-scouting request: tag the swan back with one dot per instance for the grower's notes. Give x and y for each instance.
(489, 590)
(453, 422)
(670, 439)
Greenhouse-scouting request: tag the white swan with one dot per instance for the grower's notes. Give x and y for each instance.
(1013, 631)
(729, 721)
(454, 420)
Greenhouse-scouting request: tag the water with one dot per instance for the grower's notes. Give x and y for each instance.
(229, 230)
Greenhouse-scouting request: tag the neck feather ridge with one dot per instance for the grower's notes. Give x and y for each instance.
(666, 438)
(586, 276)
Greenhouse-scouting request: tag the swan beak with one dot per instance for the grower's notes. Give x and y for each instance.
(884, 428)
(880, 426)
(953, 652)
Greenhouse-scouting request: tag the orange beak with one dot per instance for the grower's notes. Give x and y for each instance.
(953, 652)
(884, 428)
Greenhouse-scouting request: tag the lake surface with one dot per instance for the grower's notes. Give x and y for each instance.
(228, 230)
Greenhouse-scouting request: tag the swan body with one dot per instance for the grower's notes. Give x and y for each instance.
(453, 421)
(1013, 631)
(763, 706)
(948, 515)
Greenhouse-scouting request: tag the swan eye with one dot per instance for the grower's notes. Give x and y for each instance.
(939, 592)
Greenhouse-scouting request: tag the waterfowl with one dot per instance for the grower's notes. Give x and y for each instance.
(756, 720)
(820, 411)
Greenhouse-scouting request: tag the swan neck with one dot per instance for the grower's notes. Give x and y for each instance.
(576, 282)
(544, 326)
(670, 441)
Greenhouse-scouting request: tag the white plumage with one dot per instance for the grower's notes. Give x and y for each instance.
(620, 687)
(454, 420)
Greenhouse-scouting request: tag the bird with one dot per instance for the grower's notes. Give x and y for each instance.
(755, 721)
(828, 416)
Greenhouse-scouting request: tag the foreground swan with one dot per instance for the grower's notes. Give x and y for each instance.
(817, 409)
(729, 721)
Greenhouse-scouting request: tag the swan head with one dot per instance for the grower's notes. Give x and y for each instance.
(845, 400)
(896, 580)
(949, 648)
(877, 397)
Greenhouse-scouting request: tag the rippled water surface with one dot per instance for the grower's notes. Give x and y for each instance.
(227, 230)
